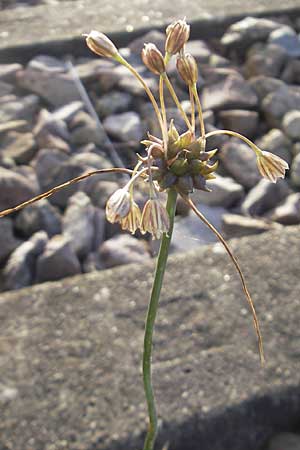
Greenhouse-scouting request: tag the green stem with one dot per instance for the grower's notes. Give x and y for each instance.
(163, 111)
(200, 113)
(237, 135)
(177, 102)
(150, 321)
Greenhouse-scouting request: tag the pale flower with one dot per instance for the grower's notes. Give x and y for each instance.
(271, 166)
(132, 221)
(118, 205)
(155, 218)
(100, 44)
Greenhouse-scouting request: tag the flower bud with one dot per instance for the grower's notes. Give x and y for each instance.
(100, 44)
(187, 69)
(153, 59)
(178, 34)
(118, 205)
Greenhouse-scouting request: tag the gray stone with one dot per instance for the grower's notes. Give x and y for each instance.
(48, 77)
(85, 130)
(276, 104)
(18, 109)
(295, 171)
(66, 112)
(243, 121)
(21, 265)
(224, 192)
(38, 216)
(232, 93)
(288, 213)
(124, 127)
(276, 142)
(130, 84)
(286, 38)
(267, 60)
(8, 72)
(91, 69)
(8, 242)
(100, 190)
(13, 125)
(264, 196)
(154, 36)
(112, 103)
(291, 124)
(234, 225)
(123, 249)
(240, 162)
(51, 123)
(14, 188)
(296, 148)
(291, 72)
(247, 31)
(57, 261)
(199, 50)
(218, 62)
(286, 441)
(21, 149)
(190, 232)
(78, 226)
(91, 160)
(92, 263)
(263, 85)
(5, 88)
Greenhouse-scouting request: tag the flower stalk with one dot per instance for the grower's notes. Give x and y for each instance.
(150, 321)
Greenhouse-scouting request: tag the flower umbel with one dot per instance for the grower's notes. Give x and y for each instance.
(271, 166)
(155, 218)
(118, 205)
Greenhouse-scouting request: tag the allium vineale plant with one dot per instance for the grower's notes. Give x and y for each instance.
(173, 163)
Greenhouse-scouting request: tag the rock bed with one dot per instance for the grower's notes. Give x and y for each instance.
(250, 83)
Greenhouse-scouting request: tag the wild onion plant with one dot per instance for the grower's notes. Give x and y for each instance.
(173, 163)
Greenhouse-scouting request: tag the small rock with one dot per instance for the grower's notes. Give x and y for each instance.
(284, 441)
(8, 242)
(291, 72)
(20, 268)
(276, 104)
(264, 196)
(263, 85)
(124, 127)
(91, 69)
(296, 149)
(123, 249)
(234, 225)
(7, 394)
(78, 224)
(66, 112)
(18, 109)
(240, 162)
(92, 263)
(85, 130)
(130, 84)
(224, 192)
(288, 213)
(199, 50)
(242, 121)
(113, 103)
(218, 62)
(156, 37)
(90, 160)
(286, 38)
(21, 149)
(276, 142)
(48, 77)
(247, 31)
(50, 123)
(267, 60)
(295, 171)
(100, 191)
(13, 125)
(38, 216)
(232, 93)
(5, 88)
(8, 71)
(14, 188)
(57, 261)
(291, 124)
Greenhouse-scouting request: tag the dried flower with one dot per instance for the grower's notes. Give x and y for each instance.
(178, 34)
(100, 44)
(153, 59)
(155, 218)
(132, 221)
(271, 166)
(187, 69)
(118, 205)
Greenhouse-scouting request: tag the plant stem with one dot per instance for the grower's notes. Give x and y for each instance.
(237, 135)
(163, 111)
(177, 102)
(150, 321)
(200, 113)
(192, 109)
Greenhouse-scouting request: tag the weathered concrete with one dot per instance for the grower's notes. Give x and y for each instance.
(57, 27)
(70, 354)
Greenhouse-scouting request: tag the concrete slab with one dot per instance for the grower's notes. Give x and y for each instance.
(59, 25)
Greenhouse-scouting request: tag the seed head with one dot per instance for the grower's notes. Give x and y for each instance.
(132, 221)
(153, 59)
(118, 205)
(271, 166)
(187, 69)
(100, 44)
(178, 34)
(155, 218)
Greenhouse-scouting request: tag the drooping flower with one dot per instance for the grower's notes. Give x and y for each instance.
(118, 205)
(155, 218)
(132, 221)
(271, 166)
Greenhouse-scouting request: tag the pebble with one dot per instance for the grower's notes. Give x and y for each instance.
(224, 192)
(242, 121)
(287, 213)
(286, 38)
(123, 249)
(14, 188)
(21, 149)
(295, 171)
(267, 60)
(276, 104)
(264, 196)
(125, 127)
(8, 241)
(235, 225)
(291, 124)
